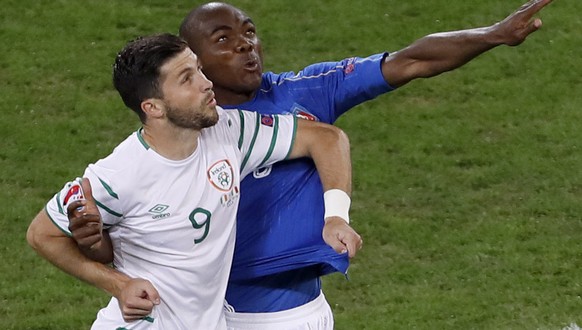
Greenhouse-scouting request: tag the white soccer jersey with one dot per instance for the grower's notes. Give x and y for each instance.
(173, 222)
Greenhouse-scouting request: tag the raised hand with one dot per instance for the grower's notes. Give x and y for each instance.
(515, 28)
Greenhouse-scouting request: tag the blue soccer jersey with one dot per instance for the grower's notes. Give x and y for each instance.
(280, 217)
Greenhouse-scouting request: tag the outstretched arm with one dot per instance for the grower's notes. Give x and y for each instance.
(440, 52)
(329, 148)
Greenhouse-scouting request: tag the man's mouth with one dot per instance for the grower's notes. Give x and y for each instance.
(252, 65)
(211, 99)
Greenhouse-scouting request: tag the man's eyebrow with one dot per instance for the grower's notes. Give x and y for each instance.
(184, 71)
(220, 28)
(226, 27)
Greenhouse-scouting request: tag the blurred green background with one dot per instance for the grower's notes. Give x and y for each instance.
(467, 186)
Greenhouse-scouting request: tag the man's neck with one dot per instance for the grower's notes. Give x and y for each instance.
(171, 142)
(229, 97)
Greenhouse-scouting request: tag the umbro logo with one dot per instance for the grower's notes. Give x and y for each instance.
(158, 211)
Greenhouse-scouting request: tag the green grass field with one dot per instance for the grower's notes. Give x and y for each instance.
(467, 186)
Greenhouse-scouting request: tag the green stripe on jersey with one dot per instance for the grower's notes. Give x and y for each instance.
(61, 210)
(258, 125)
(273, 141)
(55, 223)
(108, 210)
(141, 139)
(108, 189)
(149, 319)
(293, 137)
(242, 129)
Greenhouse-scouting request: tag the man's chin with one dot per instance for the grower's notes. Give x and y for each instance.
(212, 119)
(251, 84)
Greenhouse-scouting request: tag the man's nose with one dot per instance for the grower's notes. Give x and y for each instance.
(206, 84)
(244, 45)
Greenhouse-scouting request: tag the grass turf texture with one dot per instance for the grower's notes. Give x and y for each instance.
(466, 186)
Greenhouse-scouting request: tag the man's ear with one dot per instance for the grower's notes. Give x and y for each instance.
(153, 108)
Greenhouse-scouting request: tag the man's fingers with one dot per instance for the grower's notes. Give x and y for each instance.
(536, 24)
(539, 4)
(358, 243)
(86, 231)
(341, 237)
(353, 243)
(136, 313)
(338, 246)
(152, 294)
(346, 242)
(86, 184)
(90, 221)
(534, 6)
(89, 240)
(530, 28)
(138, 299)
(74, 208)
(139, 307)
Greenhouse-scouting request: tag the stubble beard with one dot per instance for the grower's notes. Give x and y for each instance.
(195, 118)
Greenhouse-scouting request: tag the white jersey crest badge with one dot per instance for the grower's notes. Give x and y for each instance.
(221, 175)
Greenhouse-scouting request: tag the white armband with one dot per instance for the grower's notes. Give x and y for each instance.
(337, 204)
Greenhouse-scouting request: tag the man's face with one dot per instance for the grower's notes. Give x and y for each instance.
(188, 96)
(226, 43)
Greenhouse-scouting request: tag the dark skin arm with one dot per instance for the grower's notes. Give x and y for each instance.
(87, 229)
(440, 52)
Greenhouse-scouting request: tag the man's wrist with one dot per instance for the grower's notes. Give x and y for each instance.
(337, 204)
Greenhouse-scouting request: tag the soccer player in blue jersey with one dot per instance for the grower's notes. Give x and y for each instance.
(280, 254)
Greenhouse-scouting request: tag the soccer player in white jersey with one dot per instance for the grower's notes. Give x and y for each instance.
(168, 194)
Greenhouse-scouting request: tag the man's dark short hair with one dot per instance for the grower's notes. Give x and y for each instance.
(136, 70)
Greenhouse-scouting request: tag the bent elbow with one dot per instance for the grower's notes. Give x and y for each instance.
(37, 232)
(32, 237)
(335, 135)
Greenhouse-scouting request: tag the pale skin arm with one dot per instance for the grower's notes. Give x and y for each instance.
(440, 52)
(329, 148)
(136, 296)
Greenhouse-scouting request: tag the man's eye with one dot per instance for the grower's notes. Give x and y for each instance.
(221, 38)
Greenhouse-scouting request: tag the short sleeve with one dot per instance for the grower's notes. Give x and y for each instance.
(264, 139)
(105, 197)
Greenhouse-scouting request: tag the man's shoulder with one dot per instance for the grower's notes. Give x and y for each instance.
(126, 154)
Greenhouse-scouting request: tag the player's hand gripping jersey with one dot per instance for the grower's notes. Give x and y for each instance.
(173, 222)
